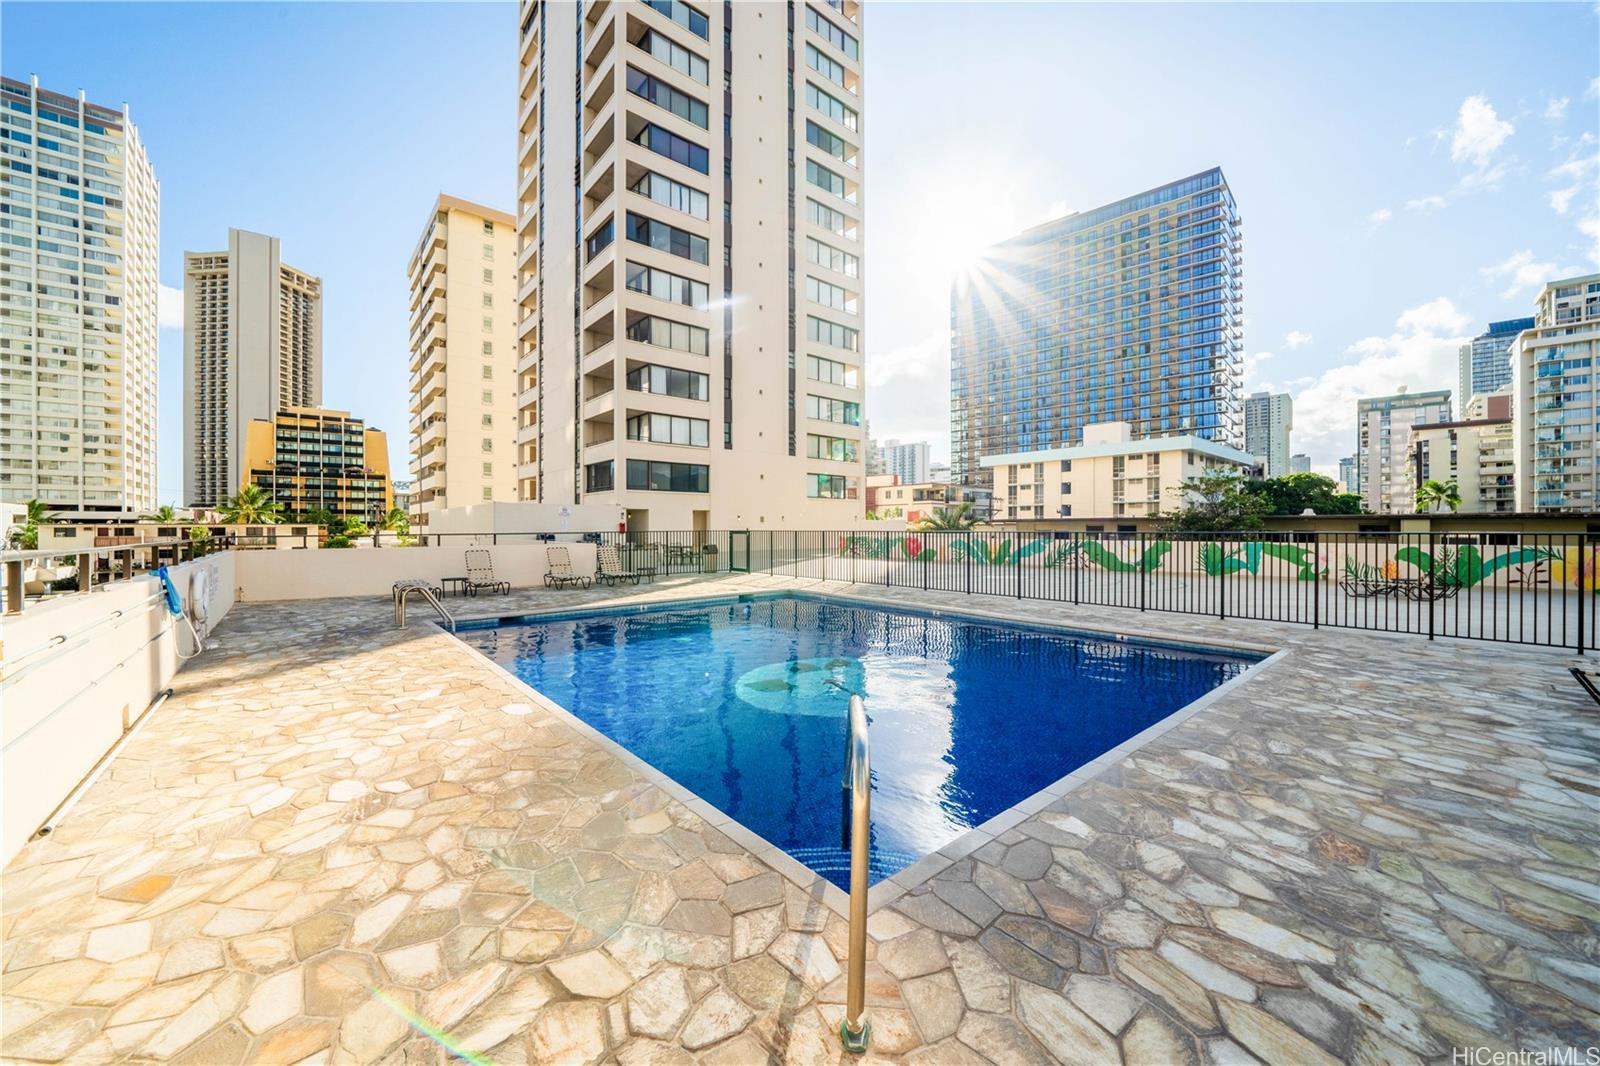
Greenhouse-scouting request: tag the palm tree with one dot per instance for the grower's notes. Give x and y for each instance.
(950, 518)
(396, 521)
(164, 513)
(25, 535)
(252, 507)
(1434, 492)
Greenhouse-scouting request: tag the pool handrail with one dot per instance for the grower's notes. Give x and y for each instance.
(855, 1030)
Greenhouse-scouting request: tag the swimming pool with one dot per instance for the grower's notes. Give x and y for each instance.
(744, 703)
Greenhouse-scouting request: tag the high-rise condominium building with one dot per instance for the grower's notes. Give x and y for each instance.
(1383, 430)
(908, 459)
(1348, 478)
(1553, 399)
(252, 336)
(1299, 464)
(1131, 312)
(463, 358)
(1476, 453)
(79, 238)
(1268, 418)
(1485, 361)
(312, 458)
(689, 338)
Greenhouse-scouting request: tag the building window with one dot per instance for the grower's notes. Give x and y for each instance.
(832, 107)
(684, 15)
(662, 285)
(830, 220)
(599, 477)
(488, 470)
(821, 331)
(488, 493)
(488, 396)
(488, 444)
(839, 449)
(829, 295)
(830, 487)
(835, 259)
(832, 34)
(665, 333)
(488, 228)
(488, 251)
(488, 420)
(652, 476)
(828, 67)
(599, 240)
(670, 429)
(826, 409)
(831, 143)
(488, 324)
(488, 372)
(678, 149)
(665, 238)
(488, 347)
(827, 180)
(669, 193)
(667, 98)
(669, 381)
(488, 299)
(831, 371)
(674, 55)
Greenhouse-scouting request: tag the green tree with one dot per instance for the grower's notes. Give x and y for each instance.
(200, 537)
(397, 521)
(957, 517)
(1294, 493)
(1216, 502)
(252, 507)
(164, 513)
(1433, 493)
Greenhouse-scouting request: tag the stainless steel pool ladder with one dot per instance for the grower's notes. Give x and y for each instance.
(856, 829)
(404, 589)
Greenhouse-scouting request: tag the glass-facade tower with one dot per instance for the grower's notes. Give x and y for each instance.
(1486, 360)
(1128, 312)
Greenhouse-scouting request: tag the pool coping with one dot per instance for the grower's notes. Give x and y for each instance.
(891, 888)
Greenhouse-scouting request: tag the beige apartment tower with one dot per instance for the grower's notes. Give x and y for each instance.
(252, 335)
(78, 305)
(463, 358)
(689, 331)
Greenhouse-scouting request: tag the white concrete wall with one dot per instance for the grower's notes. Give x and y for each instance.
(524, 517)
(315, 575)
(63, 708)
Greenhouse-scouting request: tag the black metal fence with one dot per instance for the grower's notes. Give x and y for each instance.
(1522, 588)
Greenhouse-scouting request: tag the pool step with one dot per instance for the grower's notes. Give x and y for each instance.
(831, 861)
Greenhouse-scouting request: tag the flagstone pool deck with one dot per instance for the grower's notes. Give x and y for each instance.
(338, 838)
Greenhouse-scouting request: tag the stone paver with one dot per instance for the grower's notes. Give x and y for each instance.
(1377, 850)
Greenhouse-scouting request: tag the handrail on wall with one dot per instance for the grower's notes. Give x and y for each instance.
(855, 1031)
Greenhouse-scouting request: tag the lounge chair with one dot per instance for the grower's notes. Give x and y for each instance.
(609, 561)
(480, 573)
(558, 569)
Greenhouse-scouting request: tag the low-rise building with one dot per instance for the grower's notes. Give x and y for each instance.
(1109, 475)
(920, 500)
(1299, 463)
(67, 537)
(1475, 452)
(313, 458)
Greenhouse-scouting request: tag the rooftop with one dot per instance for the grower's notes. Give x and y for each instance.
(1144, 445)
(341, 840)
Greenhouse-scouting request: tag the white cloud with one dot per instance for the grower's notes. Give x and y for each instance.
(1295, 339)
(1057, 209)
(1593, 90)
(169, 308)
(1589, 226)
(1425, 203)
(1523, 273)
(1379, 217)
(1419, 354)
(909, 392)
(1252, 363)
(1479, 133)
(1556, 109)
(1438, 315)
(1561, 199)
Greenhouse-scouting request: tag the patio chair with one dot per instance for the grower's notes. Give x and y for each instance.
(480, 573)
(559, 573)
(610, 569)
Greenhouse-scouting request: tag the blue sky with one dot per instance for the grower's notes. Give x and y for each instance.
(1406, 173)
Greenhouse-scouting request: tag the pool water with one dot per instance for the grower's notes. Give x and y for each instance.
(745, 702)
